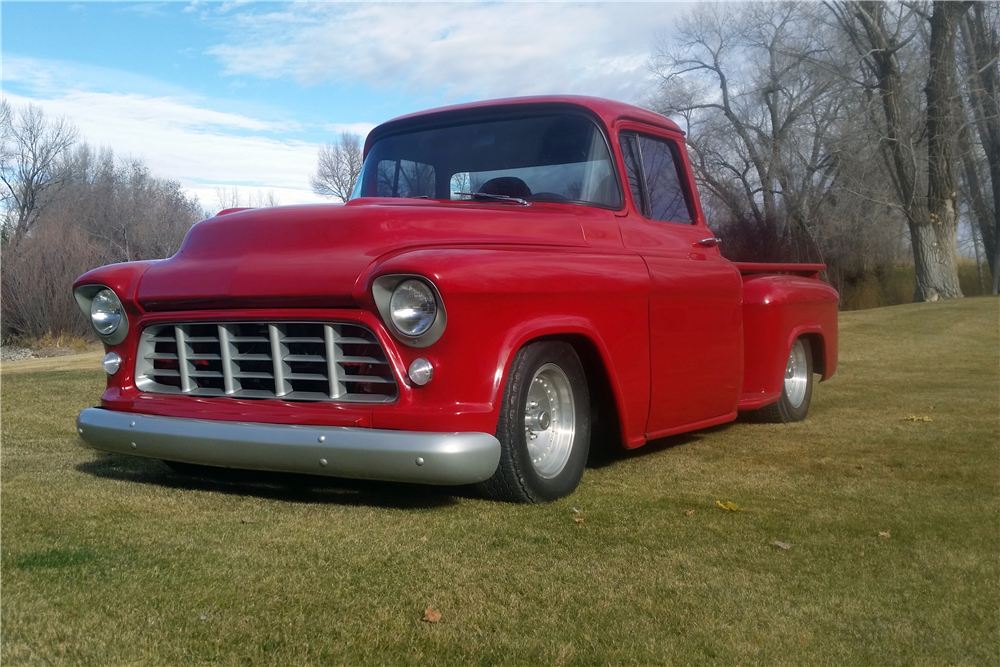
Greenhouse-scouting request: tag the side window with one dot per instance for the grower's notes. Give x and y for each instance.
(660, 186)
(633, 168)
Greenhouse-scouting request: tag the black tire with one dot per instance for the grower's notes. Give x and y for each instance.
(546, 396)
(796, 389)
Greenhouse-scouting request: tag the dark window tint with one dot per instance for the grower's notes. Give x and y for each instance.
(405, 178)
(544, 156)
(658, 189)
(633, 168)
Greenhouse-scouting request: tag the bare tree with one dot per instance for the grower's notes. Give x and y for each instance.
(255, 198)
(746, 79)
(932, 220)
(338, 167)
(107, 211)
(982, 50)
(936, 248)
(29, 159)
(35, 294)
(128, 212)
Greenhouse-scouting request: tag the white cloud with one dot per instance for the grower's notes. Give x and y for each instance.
(199, 147)
(461, 49)
(360, 129)
(424, 50)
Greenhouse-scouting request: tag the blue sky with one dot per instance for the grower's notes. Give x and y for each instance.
(224, 94)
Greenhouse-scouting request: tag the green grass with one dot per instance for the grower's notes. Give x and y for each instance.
(115, 560)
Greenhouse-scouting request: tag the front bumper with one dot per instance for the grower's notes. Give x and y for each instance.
(335, 451)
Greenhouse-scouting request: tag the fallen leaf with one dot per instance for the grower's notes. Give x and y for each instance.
(914, 418)
(688, 512)
(577, 519)
(729, 505)
(884, 534)
(431, 615)
(782, 545)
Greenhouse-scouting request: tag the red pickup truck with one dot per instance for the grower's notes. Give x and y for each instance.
(509, 278)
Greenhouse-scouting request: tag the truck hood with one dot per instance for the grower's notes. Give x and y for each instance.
(313, 255)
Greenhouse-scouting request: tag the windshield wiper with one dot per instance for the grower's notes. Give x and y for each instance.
(504, 198)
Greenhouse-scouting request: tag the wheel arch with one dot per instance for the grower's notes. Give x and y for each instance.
(611, 405)
(605, 416)
(817, 347)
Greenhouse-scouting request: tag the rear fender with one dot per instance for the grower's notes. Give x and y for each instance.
(777, 309)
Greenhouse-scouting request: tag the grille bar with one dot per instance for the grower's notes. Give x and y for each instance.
(298, 361)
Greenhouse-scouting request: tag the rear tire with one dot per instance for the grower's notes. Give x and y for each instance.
(544, 426)
(796, 389)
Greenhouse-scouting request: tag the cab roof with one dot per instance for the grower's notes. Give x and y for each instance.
(607, 111)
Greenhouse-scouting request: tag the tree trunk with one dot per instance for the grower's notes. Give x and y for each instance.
(934, 243)
(983, 49)
(980, 211)
(932, 222)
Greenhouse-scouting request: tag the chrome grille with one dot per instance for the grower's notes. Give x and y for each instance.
(295, 361)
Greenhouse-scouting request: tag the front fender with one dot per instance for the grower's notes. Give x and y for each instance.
(499, 299)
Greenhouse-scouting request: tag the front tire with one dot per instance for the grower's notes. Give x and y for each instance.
(796, 389)
(544, 426)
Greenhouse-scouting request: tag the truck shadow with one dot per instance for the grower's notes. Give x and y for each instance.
(606, 452)
(289, 487)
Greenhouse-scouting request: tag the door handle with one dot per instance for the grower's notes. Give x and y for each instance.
(709, 242)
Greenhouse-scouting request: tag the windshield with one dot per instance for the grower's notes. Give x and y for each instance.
(550, 157)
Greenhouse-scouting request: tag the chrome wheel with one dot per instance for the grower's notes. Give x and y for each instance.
(796, 387)
(543, 427)
(797, 374)
(549, 420)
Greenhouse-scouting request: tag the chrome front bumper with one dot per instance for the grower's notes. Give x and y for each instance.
(335, 451)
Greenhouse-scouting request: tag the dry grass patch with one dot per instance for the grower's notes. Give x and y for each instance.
(69, 362)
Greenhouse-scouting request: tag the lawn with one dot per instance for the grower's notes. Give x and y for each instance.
(887, 497)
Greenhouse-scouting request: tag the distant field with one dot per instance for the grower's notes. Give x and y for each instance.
(72, 362)
(887, 497)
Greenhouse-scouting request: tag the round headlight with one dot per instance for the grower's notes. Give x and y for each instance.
(412, 308)
(106, 312)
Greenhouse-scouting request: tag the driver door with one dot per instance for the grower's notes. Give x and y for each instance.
(695, 315)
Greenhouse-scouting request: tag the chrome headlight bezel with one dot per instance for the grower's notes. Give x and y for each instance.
(107, 301)
(383, 290)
